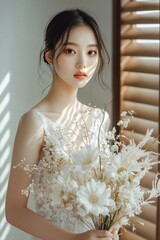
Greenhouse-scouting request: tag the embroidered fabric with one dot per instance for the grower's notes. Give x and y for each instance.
(60, 140)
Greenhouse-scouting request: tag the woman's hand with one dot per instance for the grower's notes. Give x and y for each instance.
(96, 234)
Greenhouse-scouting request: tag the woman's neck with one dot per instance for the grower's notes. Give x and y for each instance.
(61, 98)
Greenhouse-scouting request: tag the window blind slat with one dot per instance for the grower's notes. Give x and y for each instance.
(138, 19)
(145, 111)
(131, 235)
(141, 49)
(143, 80)
(124, 2)
(140, 6)
(140, 125)
(149, 96)
(155, 167)
(148, 179)
(141, 33)
(148, 230)
(149, 213)
(143, 65)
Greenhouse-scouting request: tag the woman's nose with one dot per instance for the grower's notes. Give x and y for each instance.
(81, 63)
(80, 66)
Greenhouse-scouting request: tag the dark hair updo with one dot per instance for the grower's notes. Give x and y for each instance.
(60, 26)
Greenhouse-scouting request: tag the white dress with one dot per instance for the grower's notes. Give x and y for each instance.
(58, 139)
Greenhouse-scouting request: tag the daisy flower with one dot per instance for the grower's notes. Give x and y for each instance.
(95, 197)
(87, 157)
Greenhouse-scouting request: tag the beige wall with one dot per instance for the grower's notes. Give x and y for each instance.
(21, 32)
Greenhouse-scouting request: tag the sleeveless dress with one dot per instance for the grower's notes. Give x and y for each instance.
(60, 140)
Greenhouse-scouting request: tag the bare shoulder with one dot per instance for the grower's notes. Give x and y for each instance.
(30, 127)
(29, 138)
(31, 119)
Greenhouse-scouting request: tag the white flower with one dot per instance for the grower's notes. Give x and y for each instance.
(120, 164)
(130, 197)
(72, 187)
(87, 157)
(95, 197)
(124, 123)
(114, 148)
(110, 135)
(59, 188)
(124, 114)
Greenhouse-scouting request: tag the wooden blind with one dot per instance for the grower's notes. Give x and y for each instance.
(139, 89)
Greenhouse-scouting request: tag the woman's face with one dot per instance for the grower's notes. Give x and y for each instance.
(77, 63)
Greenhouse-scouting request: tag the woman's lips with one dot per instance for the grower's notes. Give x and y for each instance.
(80, 75)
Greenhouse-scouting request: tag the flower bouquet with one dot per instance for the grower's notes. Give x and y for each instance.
(102, 185)
(100, 182)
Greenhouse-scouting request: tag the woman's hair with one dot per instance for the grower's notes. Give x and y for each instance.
(59, 28)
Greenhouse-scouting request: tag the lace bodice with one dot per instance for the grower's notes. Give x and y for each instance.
(60, 141)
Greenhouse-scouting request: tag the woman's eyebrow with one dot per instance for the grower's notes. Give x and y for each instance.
(76, 44)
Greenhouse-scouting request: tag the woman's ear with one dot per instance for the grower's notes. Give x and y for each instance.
(48, 57)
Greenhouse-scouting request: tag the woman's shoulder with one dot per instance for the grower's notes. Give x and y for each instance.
(30, 120)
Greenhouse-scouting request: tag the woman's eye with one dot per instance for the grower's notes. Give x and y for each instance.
(92, 52)
(69, 51)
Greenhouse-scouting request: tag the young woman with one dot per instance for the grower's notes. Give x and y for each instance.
(74, 50)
